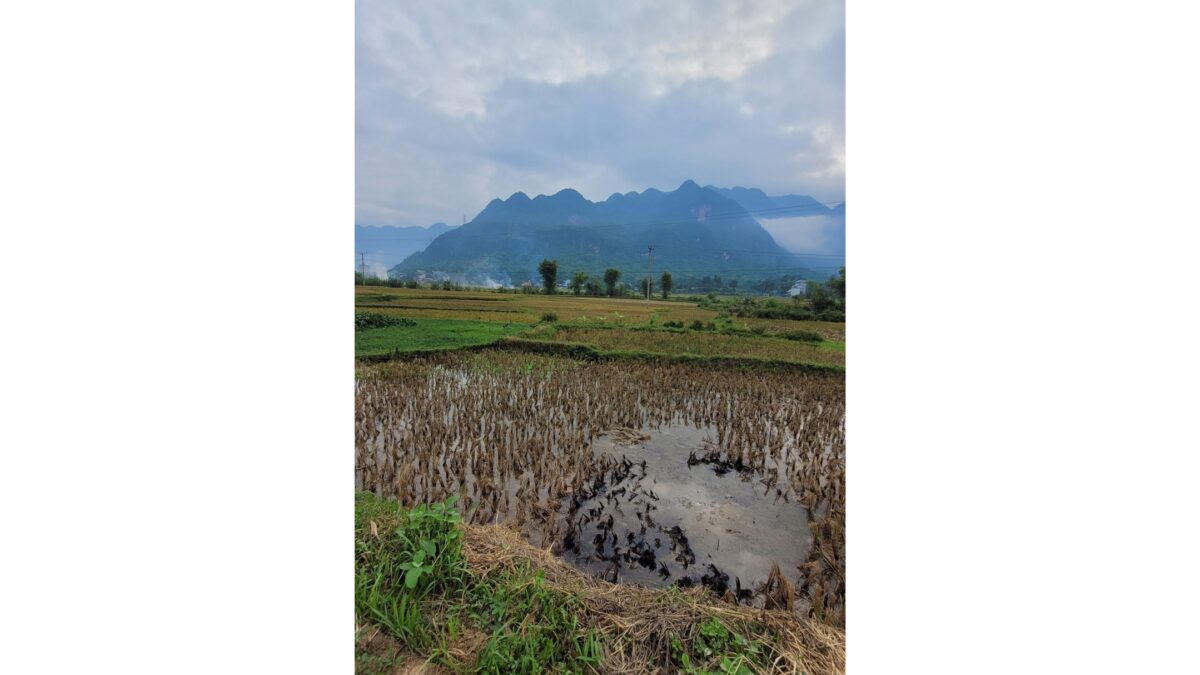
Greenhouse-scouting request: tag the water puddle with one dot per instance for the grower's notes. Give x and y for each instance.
(664, 516)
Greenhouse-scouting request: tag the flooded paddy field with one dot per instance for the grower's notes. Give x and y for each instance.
(646, 473)
(665, 516)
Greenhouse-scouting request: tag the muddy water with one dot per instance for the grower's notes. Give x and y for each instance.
(659, 520)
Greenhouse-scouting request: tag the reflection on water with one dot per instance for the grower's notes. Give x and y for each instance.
(658, 519)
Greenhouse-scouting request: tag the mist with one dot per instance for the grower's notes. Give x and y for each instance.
(809, 234)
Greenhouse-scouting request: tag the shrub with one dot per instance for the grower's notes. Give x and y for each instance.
(801, 335)
(549, 317)
(759, 330)
(697, 325)
(369, 320)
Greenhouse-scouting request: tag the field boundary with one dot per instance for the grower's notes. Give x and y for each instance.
(587, 352)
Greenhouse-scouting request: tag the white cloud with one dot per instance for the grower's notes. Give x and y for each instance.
(459, 102)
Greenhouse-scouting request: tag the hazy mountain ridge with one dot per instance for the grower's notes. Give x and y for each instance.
(694, 231)
(384, 246)
(780, 206)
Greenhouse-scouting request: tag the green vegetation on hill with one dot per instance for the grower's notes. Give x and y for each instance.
(697, 231)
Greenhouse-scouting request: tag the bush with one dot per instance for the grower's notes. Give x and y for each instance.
(369, 320)
(759, 330)
(801, 335)
(779, 312)
(697, 325)
(673, 324)
(549, 317)
(411, 284)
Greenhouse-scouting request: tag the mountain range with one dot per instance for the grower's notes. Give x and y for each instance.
(693, 230)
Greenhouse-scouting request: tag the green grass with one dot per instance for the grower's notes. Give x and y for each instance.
(411, 581)
(430, 335)
(833, 345)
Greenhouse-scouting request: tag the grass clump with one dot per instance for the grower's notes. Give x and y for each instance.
(401, 558)
(800, 335)
(369, 320)
(531, 627)
(717, 649)
(411, 583)
(549, 317)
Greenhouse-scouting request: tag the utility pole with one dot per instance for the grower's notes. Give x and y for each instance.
(649, 270)
(363, 259)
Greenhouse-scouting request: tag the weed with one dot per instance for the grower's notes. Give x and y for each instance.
(369, 320)
(800, 335)
(402, 557)
(531, 628)
(716, 646)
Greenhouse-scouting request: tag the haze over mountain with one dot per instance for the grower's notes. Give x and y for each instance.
(799, 223)
(695, 231)
(386, 246)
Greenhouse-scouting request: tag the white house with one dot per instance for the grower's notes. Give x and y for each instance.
(799, 288)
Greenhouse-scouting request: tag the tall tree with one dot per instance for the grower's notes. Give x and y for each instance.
(577, 282)
(549, 271)
(611, 275)
(667, 284)
(647, 287)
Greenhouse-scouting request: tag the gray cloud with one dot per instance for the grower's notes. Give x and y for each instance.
(461, 102)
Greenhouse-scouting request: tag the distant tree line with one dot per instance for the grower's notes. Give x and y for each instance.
(608, 285)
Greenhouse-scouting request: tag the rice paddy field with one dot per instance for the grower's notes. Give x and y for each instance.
(522, 511)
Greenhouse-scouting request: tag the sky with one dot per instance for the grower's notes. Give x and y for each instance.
(461, 102)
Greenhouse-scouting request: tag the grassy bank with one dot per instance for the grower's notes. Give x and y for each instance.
(432, 592)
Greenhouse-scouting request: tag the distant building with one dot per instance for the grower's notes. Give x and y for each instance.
(800, 288)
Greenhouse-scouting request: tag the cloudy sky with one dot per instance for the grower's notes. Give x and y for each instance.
(460, 102)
